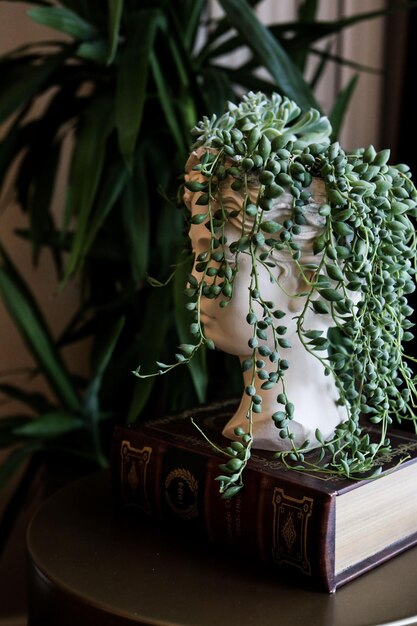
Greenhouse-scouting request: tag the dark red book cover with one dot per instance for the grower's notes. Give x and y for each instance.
(167, 469)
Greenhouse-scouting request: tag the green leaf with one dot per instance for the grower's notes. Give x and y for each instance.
(320, 67)
(307, 10)
(268, 51)
(217, 88)
(319, 436)
(185, 17)
(304, 33)
(41, 197)
(132, 76)
(30, 323)
(320, 343)
(86, 167)
(113, 180)
(34, 181)
(166, 101)
(40, 2)
(96, 50)
(27, 80)
(102, 360)
(91, 402)
(14, 461)
(136, 219)
(313, 334)
(306, 13)
(115, 8)
(12, 143)
(34, 400)
(332, 295)
(8, 425)
(269, 226)
(65, 21)
(326, 55)
(194, 13)
(247, 80)
(170, 227)
(231, 491)
(334, 272)
(340, 106)
(149, 347)
(53, 424)
(198, 366)
(90, 11)
(343, 229)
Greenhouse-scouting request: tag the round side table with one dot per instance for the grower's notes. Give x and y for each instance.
(91, 565)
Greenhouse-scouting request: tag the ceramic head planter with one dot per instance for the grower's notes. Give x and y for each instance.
(304, 255)
(278, 279)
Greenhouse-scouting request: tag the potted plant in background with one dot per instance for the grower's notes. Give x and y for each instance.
(125, 85)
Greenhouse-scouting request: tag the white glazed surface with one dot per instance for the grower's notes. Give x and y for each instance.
(313, 394)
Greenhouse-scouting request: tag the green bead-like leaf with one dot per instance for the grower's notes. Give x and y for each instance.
(332, 295)
(320, 307)
(343, 215)
(382, 157)
(187, 349)
(336, 197)
(334, 272)
(234, 464)
(270, 227)
(341, 228)
(194, 185)
(319, 244)
(369, 154)
(231, 491)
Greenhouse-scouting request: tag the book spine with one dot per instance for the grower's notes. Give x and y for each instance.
(272, 519)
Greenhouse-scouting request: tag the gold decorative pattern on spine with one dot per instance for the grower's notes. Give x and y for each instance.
(290, 526)
(181, 492)
(134, 467)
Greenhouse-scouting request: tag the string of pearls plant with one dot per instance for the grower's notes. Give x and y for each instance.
(366, 261)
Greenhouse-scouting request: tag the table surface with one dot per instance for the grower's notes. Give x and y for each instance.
(132, 569)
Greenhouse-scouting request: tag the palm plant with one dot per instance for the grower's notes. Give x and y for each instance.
(125, 85)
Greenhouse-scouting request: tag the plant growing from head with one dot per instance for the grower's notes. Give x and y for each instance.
(362, 271)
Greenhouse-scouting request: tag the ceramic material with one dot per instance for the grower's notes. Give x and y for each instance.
(313, 393)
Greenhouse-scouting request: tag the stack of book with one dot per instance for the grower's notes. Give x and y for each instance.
(330, 530)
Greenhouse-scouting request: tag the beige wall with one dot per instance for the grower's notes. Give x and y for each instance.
(364, 44)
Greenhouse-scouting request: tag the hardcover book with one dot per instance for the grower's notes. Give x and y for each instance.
(328, 529)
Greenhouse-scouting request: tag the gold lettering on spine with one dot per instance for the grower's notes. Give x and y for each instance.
(290, 527)
(134, 467)
(181, 492)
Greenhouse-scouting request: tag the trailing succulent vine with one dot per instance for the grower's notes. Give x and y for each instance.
(365, 267)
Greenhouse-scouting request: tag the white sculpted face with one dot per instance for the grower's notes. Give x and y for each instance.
(314, 394)
(227, 326)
